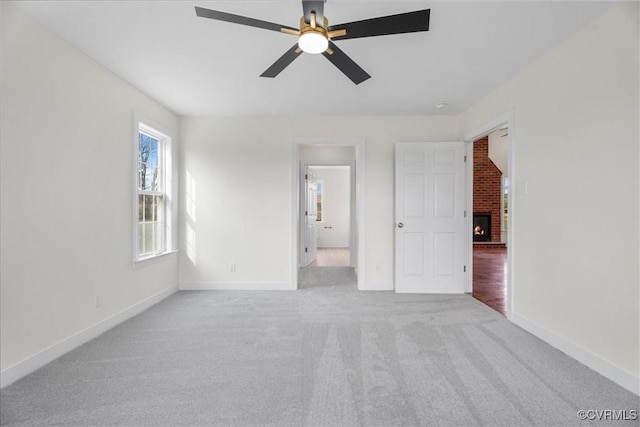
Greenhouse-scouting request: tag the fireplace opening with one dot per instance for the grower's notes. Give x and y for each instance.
(481, 226)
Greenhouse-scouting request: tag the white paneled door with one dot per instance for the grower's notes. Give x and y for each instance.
(429, 217)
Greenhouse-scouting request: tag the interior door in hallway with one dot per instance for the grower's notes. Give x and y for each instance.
(429, 215)
(311, 215)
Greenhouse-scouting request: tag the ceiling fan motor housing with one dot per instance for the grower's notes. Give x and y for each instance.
(313, 38)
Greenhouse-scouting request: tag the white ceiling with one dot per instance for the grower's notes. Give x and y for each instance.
(201, 67)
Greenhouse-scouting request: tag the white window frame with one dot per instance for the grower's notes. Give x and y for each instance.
(167, 189)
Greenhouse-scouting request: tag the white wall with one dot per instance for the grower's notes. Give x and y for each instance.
(336, 206)
(326, 154)
(499, 150)
(67, 138)
(242, 169)
(575, 213)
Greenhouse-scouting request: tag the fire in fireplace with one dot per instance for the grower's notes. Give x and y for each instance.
(482, 226)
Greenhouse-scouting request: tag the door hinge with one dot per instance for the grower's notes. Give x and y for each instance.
(306, 176)
(465, 269)
(465, 159)
(465, 214)
(306, 213)
(306, 250)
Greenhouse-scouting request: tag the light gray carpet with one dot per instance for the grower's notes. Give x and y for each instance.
(320, 356)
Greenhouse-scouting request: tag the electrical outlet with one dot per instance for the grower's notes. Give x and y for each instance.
(98, 300)
(232, 267)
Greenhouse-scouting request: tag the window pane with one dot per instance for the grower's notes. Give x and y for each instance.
(148, 163)
(319, 201)
(158, 243)
(149, 208)
(141, 248)
(150, 223)
(150, 238)
(140, 210)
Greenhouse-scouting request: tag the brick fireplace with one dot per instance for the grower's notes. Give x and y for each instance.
(482, 227)
(487, 191)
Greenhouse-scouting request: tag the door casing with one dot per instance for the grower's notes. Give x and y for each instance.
(358, 180)
(507, 119)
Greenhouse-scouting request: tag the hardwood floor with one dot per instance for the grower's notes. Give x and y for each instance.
(490, 277)
(332, 257)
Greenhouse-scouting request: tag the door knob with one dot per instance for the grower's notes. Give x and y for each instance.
(400, 225)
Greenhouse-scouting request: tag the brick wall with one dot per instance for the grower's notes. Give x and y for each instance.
(487, 185)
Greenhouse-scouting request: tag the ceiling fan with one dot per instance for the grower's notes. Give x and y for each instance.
(315, 35)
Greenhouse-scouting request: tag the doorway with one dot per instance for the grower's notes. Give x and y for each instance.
(328, 210)
(490, 219)
(325, 232)
(332, 215)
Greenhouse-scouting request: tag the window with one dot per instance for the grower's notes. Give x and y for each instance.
(319, 201)
(153, 213)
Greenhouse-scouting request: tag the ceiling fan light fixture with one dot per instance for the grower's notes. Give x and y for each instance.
(316, 36)
(313, 42)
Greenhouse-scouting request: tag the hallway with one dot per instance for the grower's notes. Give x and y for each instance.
(332, 257)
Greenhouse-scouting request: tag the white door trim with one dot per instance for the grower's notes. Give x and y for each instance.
(359, 234)
(484, 130)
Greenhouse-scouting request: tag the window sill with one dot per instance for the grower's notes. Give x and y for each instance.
(153, 259)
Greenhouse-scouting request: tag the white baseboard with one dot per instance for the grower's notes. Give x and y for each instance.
(252, 286)
(256, 286)
(27, 366)
(602, 366)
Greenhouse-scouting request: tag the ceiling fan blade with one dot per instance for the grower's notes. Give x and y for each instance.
(282, 62)
(346, 64)
(409, 22)
(313, 6)
(242, 20)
